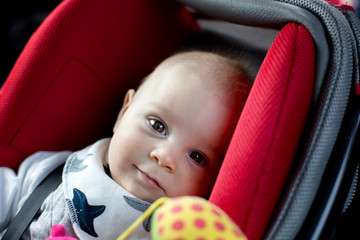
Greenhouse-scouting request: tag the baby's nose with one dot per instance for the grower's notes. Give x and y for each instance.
(165, 158)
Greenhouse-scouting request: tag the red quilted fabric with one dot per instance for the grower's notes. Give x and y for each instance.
(268, 132)
(80, 61)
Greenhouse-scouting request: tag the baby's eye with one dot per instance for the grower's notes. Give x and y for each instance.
(158, 126)
(198, 158)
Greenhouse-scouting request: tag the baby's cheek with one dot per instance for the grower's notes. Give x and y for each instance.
(121, 146)
(199, 183)
(205, 183)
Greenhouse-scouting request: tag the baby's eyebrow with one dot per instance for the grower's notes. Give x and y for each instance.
(168, 114)
(160, 106)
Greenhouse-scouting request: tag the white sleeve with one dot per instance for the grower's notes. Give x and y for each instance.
(15, 188)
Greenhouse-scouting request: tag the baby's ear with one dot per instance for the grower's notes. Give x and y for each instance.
(127, 101)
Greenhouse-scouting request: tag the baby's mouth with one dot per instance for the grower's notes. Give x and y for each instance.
(151, 181)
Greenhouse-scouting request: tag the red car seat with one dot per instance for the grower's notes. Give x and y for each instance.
(66, 88)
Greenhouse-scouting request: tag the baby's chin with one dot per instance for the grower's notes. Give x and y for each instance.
(146, 197)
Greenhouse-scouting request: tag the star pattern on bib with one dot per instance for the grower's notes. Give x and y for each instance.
(84, 213)
(141, 206)
(78, 163)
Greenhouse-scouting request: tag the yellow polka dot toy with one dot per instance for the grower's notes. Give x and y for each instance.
(192, 218)
(187, 218)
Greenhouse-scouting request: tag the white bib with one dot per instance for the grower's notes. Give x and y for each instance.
(99, 207)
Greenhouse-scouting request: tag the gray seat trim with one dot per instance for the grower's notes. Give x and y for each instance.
(270, 14)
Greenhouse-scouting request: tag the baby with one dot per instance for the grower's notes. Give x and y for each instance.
(169, 139)
(172, 133)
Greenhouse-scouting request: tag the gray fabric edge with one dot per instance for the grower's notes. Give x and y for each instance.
(270, 14)
(355, 25)
(326, 126)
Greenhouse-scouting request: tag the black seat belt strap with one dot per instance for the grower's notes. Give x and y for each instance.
(32, 205)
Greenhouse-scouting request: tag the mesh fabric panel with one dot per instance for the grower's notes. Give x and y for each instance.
(265, 140)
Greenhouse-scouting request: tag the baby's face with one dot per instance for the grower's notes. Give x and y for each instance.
(172, 137)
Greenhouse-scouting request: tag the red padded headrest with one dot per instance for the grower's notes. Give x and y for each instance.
(80, 62)
(268, 132)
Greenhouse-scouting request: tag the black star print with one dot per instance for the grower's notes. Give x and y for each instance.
(85, 213)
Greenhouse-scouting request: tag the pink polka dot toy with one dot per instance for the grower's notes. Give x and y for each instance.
(192, 218)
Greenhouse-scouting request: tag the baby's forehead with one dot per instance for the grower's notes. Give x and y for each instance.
(178, 63)
(209, 67)
(213, 71)
(195, 58)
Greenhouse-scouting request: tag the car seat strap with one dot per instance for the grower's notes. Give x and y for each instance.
(32, 205)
